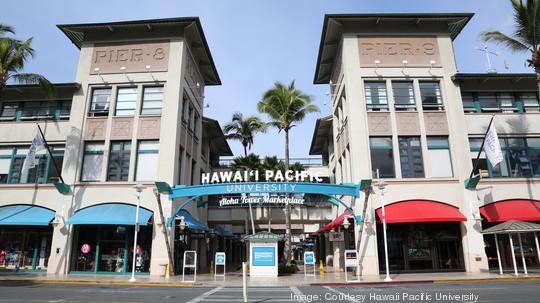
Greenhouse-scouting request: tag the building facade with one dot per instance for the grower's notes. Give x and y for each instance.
(133, 116)
(403, 114)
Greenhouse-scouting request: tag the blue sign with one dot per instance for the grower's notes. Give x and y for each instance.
(220, 258)
(263, 256)
(309, 257)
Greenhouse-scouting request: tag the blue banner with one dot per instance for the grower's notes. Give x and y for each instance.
(309, 257)
(263, 256)
(220, 258)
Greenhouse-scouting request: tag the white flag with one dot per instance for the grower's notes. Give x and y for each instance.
(30, 161)
(492, 147)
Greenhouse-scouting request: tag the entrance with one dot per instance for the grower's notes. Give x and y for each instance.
(108, 249)
(422, 247)
(25, 248)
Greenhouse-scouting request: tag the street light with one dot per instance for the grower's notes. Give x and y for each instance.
(138, 189)
(382, 186)
(182, 223)
(346, 223)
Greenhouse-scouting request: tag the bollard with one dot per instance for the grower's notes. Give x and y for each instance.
(167, 273)
(244, 283)
(321, 268)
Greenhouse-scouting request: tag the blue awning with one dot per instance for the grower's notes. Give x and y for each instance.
(25, 215)
(191, 222)
(110, 214)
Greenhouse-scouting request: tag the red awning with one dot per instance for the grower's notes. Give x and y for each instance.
(338, 222)
(519, 209)
(420, 211)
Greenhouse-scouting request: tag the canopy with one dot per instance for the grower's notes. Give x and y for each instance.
(512, 226)
(519, 209)
(110, 214)
(25, 215)
(420, 211)
(191, 222)
(338, 222)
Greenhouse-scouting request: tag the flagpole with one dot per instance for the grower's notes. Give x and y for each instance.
(481, 148)
(50, 154)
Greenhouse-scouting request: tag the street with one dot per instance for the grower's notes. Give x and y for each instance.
(505, 292)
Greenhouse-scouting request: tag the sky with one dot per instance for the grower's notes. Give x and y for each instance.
(253, 43)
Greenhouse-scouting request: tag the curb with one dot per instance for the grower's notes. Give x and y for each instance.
(487, 280)
(82, 282)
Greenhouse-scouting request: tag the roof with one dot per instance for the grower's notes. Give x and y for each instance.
(22, 92)
(334, 25)
(216, 138)
(495, 81)
(319, 142)
(187, 27)
(512, 226)
(263, 236)
(459, 76)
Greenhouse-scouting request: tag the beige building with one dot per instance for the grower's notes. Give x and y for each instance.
(134, 115)
(402, 109)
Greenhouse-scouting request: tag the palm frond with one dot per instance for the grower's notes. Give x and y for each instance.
(500, 38)
(44, 84)
(4, 28)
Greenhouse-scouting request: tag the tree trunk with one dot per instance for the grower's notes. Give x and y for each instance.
(537, 71)
(287, 247)
(245, 150)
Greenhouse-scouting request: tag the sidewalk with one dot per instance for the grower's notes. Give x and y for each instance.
(234, 279)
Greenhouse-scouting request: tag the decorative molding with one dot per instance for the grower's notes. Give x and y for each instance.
(95, 128)
(121, 128)
(379, 124)
(436, 123)
(149, 128)
(407, 123)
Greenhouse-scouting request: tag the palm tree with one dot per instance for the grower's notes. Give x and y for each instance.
(249, 162)
(13, 56)
(274, 164)
(244, 130)
(526, 35)
(286, 106)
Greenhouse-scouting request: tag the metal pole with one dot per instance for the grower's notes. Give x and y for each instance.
(537, 247)
(244, 281)
(481, 148)
(522, 255)
(513, 254)
(498, 255)
(382, 187)
(139, 188)
(58, 171)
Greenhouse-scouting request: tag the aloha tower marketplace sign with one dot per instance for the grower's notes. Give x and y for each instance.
(241, 183)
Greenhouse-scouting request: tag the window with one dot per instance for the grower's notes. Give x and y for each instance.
(6, 155)
(152, 100)
(101, 98)
(469, 104)
(147, 160)
(190, 118)
(403, 95)
(410, 155)
(193, 171)
(530, 101)
(118, 168)
(8, 111)
(64, 109)
(196, 124)
(376, 97)
(507, 101)
(180, 165)
(185, 109)
(439, 157)
(126, 100)
(92, 161)
(382, 157)
(521, 158)
(430, 92)
(488, 102)
(35, 109)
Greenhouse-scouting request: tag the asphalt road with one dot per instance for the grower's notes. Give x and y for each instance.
(504, 292)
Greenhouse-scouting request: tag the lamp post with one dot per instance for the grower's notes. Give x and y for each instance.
(382, 186)
(138, 189)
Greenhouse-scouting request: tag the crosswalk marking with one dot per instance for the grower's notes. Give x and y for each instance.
(341, 293)
(205, 295)
(234, 294)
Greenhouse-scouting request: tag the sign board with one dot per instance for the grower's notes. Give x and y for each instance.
(351, 260)
(263, 256)
(190, 261)
(266, 201)
(117, 58)
(309, 257)
(390, 51)
(85, 248)
(220, 258)
(336, 236)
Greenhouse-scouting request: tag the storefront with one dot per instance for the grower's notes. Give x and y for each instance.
(25, 237)
(103, 239)
(189, 234)
(423, 236)
(503, 211)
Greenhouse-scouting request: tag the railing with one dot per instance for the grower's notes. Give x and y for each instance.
(306, 162)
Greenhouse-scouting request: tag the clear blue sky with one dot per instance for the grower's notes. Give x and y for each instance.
(253, 43)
